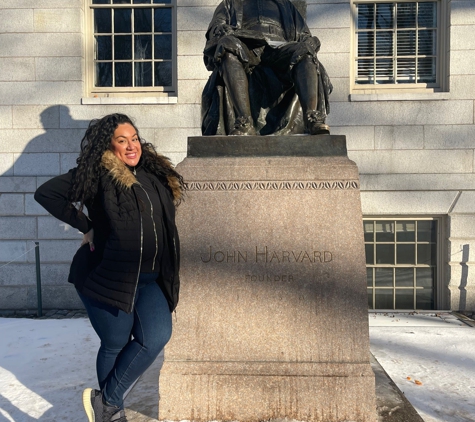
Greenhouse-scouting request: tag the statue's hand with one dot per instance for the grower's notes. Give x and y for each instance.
(222, 30)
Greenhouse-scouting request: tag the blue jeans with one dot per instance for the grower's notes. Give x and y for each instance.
(129, 342)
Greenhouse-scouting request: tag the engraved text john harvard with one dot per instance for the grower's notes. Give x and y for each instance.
(266, 255)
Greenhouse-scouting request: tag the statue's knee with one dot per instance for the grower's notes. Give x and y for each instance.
(306, 65)
(308, 59)
(228, 42)
(226, 53)
(229, 57)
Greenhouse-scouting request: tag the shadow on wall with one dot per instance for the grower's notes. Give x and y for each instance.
(464, 277)
(44, 144)
(52, 152)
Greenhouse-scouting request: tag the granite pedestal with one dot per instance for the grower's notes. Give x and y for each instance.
(272, 321)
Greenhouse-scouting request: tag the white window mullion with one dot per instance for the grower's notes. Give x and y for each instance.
(113, 45)
(153, 46)
(395, 43)
(411, 63)
(388, 273)
(132, 35)
(137, 67)
(417, 42)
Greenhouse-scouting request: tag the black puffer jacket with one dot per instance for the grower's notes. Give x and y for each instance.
(110, 273)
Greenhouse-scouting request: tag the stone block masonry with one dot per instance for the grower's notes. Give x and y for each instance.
(272, 320)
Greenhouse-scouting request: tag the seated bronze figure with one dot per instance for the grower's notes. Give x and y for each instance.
(266, 78)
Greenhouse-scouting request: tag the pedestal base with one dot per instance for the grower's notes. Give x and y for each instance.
(272, 320)
(304, 392)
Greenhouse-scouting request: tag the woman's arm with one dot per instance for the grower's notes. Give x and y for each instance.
(53, 196)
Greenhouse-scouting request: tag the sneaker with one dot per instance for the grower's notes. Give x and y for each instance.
(113, 414)
(92, 402)
(97, 411)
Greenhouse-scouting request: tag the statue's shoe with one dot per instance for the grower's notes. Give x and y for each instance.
(243, 127)
(315, 123)
(315, 128)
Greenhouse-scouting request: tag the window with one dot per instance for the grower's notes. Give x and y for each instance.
(401, 263)
(398, 45)
(132, 48)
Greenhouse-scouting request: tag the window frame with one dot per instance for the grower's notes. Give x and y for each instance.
(439, 295)
(93, 92)
(441, 83)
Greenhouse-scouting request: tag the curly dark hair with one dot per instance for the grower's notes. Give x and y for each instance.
(95, 142)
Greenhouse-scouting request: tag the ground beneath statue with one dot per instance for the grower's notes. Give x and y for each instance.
(45, 365)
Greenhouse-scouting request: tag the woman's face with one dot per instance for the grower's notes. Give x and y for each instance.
(125, 144)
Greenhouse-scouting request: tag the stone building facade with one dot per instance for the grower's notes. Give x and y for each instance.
(406, 103)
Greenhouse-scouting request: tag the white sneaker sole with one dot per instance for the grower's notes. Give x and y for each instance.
(86, 401)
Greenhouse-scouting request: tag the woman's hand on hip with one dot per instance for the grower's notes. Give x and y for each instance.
(89, 238)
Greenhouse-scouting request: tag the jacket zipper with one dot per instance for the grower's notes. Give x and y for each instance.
(154, 230)
(140, 262)
(175, 269)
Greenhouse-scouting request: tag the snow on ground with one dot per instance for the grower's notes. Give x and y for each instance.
(45, 365)
(437, 351)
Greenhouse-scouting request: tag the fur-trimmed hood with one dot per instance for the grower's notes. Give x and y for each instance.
(122, 175)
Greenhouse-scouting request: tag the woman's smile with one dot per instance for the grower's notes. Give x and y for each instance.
(125, 144)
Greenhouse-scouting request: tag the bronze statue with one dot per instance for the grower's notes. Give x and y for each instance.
(266, 76)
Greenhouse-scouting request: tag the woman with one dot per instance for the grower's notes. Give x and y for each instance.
(126, 270)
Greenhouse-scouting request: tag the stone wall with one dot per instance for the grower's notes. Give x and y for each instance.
(415, 152)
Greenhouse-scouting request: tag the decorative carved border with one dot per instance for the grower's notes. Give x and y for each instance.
(268, 185)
